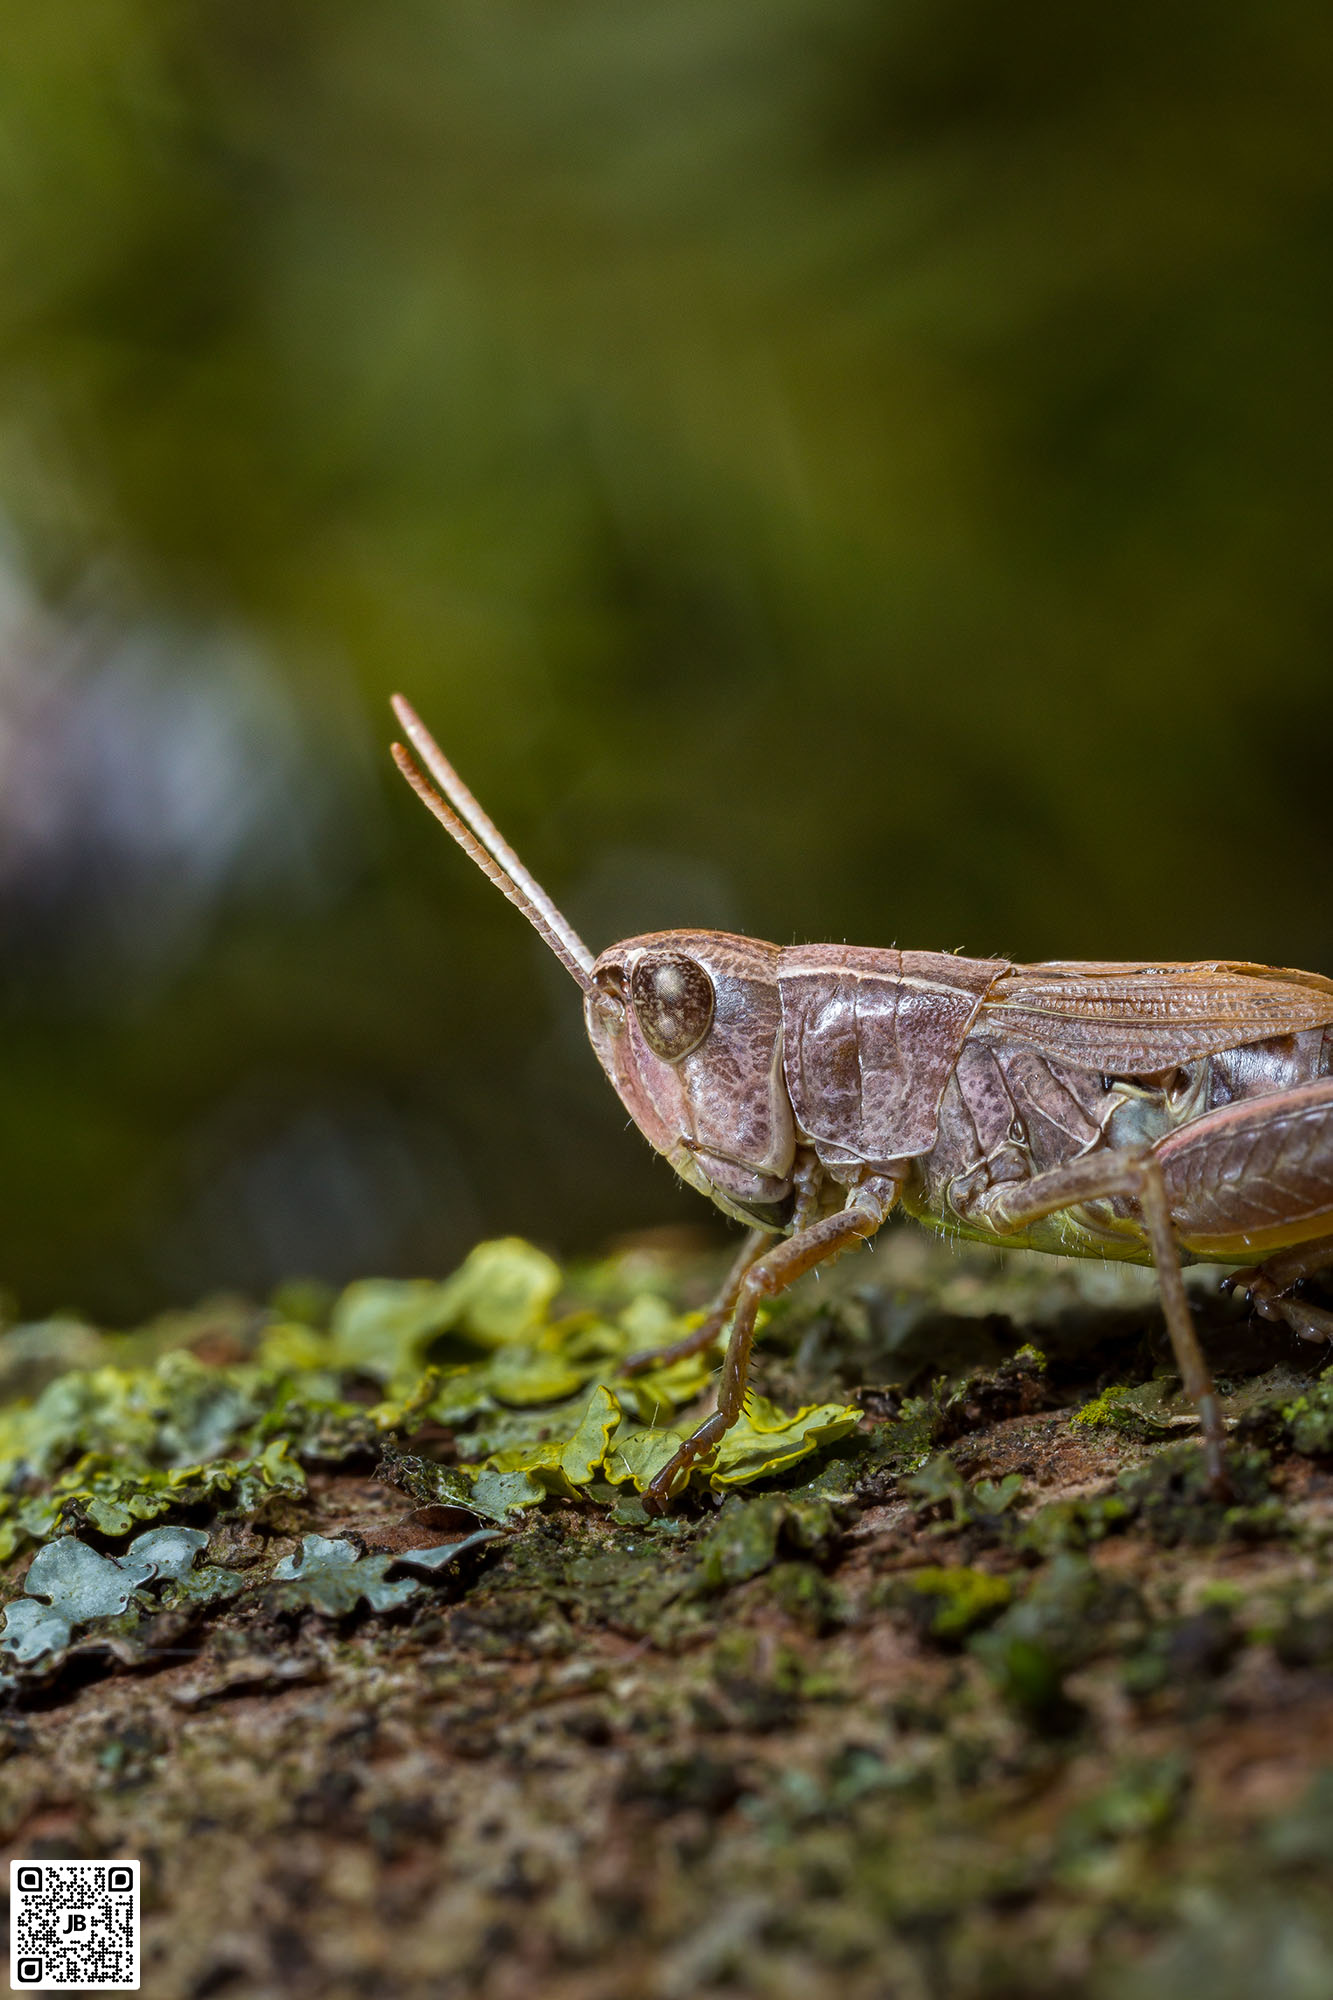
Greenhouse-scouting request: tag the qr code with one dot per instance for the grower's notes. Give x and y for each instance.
(74, 1925)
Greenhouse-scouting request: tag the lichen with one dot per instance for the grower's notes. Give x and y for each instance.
(952, 1705)
(1309, 1418)
(953, 1602)
(1104, 1409)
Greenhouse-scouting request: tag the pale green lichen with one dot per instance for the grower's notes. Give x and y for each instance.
(1103, 1410)
(532, 1396)
(939, 1483)
(953, 1602)
(932, 1745)
(1310, 1418)
(330, 1575)
(71, 1586)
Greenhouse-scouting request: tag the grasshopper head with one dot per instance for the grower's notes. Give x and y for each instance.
(687, 1024)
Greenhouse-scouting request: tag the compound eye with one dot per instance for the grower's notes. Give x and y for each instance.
(673, 998)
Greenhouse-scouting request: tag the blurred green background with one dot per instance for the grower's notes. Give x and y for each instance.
(829, 469)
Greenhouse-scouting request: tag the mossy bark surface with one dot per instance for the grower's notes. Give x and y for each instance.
(983, 1696)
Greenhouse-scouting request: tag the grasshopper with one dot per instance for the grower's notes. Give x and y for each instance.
(1165, 1114)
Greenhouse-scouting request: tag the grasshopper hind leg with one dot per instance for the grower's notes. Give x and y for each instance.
(1139, 1176)
(1256, 1178)
(1267, 1287)
(1255, 1175)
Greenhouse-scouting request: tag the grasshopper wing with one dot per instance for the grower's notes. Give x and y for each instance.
(1133, 1019)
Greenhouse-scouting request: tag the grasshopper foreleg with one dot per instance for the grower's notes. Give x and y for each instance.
(808, 1180)
(1098, 1176)
(771, 1273)
(713, 1322)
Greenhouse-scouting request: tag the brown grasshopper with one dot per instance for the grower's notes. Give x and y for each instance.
(1161, 1113)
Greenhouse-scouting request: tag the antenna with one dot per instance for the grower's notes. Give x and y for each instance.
(481, 840)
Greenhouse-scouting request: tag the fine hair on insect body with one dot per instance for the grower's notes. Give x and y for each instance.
(1165, 1113)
